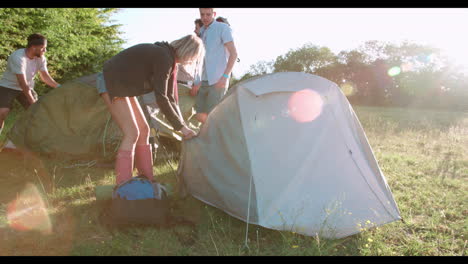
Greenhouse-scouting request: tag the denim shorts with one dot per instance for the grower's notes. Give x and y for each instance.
(100, 83)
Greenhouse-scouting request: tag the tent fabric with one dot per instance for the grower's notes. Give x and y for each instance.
(313, 177)
(227, 150)
(73, 122)
(159, 122)
(68, 121)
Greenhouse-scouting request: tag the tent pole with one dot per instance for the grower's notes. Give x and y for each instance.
(248, 215)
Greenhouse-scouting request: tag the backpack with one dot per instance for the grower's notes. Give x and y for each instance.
(138, 202)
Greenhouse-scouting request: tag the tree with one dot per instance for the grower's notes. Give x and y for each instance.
(381, 74)
(308, 59)
(373, 51)
(261, 67)
(235, 81)
(80, 40)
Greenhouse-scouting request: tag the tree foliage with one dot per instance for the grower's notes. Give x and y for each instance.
(305, 59)
(80, 40)
(380, 73)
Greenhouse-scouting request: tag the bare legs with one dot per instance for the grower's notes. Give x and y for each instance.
(143, 154)
(128, 115)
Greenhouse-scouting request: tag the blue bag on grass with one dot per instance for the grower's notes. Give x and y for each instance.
(135, 189)
(139, 201)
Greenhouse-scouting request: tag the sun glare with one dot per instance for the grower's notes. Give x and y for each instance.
(305, 105)
(28, 212)
(394, 71)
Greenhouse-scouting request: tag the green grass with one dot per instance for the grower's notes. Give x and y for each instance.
(423, 154)
(9, 122)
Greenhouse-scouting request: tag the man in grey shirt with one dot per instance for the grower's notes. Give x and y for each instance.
(18, 79)
(220, 57)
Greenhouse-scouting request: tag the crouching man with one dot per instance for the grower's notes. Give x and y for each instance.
(18, 79)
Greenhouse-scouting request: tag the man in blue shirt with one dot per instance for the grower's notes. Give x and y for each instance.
(220, 56)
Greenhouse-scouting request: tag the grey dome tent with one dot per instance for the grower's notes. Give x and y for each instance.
(286, 151)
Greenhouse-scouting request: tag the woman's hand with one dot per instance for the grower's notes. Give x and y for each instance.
(187, 132)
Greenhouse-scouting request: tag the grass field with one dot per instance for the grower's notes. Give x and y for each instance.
(423, 155)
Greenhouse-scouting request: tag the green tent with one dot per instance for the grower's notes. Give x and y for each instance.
(72, 122)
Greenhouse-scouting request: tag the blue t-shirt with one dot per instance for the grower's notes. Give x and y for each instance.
(216, 55)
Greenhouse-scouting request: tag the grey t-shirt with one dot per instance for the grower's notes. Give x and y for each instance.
(19, 63)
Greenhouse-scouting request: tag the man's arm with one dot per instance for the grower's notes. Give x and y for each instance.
(25, 87)
(45, 77)
(232, 57)
(230, 64)
(18, 67)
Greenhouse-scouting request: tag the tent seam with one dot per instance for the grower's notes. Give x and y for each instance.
(250, 163)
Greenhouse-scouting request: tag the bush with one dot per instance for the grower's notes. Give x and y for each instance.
(80, 40)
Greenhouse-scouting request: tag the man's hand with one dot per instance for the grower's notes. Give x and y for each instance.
(222, 83)
(26, 89)
(47, 79)
(30, 97)
(188, 133)
(194, 90)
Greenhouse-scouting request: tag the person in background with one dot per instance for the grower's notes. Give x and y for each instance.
(136, 71)
(198, 25)
(18, 79)
(221, 54)
(223, 20)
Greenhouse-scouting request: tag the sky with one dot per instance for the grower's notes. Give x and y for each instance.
(262, 34)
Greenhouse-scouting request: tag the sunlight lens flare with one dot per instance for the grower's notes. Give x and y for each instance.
(394, 71)
(28, 212)
(348, 89)
(407, 67)
(305, 105)
(425, 58)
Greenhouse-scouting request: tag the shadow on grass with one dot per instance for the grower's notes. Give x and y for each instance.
(18, 169)
(451, 165)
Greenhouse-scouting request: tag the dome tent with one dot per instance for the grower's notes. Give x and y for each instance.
(286, 151)
(72, 122)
